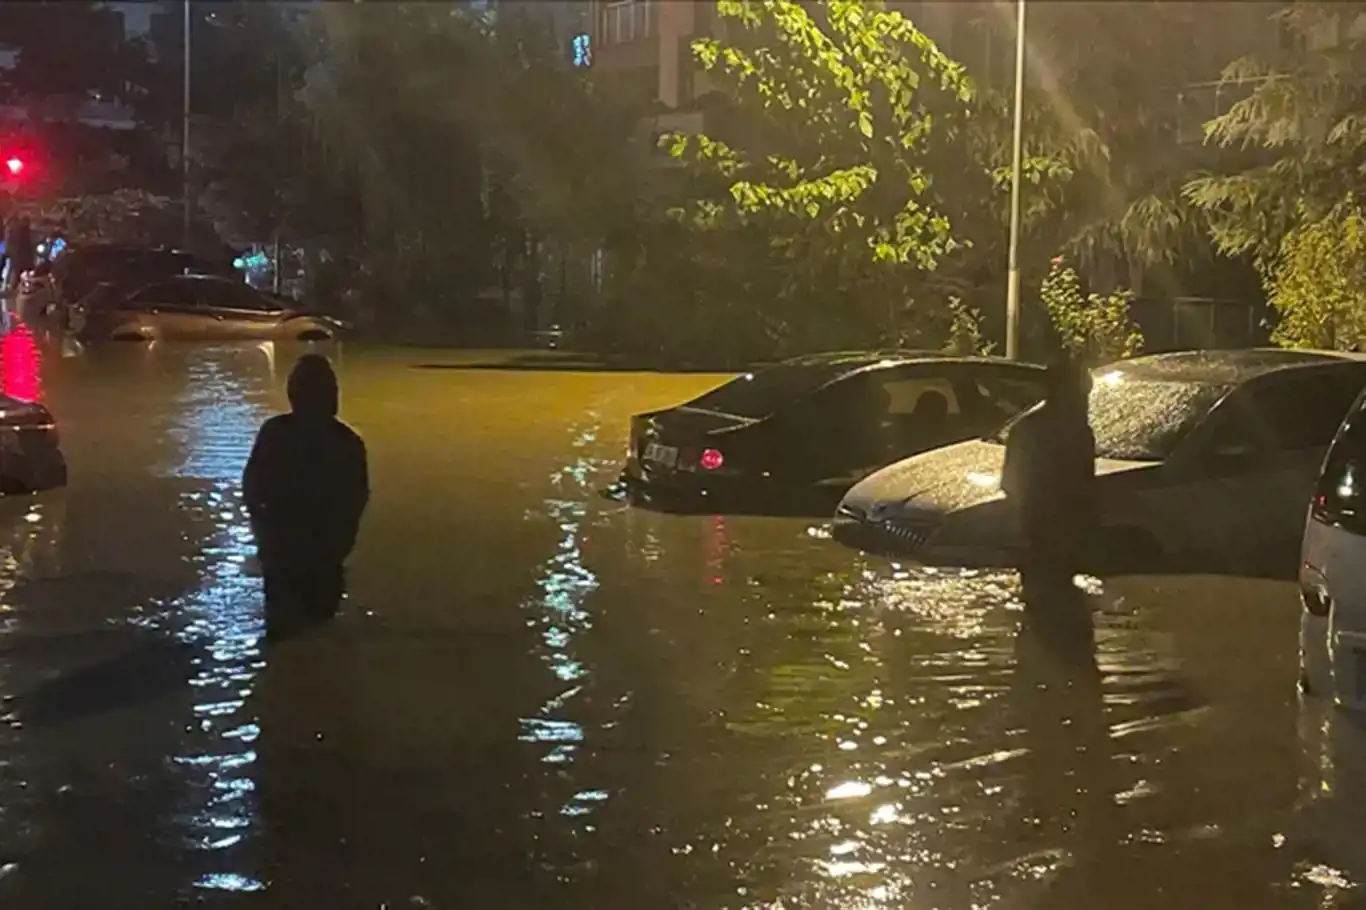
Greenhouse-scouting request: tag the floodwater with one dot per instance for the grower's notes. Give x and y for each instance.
(539, 697)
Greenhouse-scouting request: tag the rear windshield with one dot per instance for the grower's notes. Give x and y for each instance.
(761, 393)
(1143, 419)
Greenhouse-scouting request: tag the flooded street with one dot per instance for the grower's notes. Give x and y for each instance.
(539, 697)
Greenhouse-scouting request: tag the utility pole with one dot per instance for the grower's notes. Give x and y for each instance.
(1013, 267)
(185, 137)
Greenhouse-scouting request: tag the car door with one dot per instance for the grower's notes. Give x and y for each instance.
(1258, 456)
(239, 312)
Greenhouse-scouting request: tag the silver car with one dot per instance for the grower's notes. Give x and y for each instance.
(1203, 457)
(195, 307)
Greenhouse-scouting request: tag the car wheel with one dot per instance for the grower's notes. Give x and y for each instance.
(315, 335)
(1129, 550)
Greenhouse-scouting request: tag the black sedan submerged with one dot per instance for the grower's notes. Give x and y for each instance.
(815, 425)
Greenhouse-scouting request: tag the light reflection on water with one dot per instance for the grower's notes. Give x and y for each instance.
(219, 413)
(559, 615)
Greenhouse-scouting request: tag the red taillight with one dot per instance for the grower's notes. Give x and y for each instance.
(711, 460)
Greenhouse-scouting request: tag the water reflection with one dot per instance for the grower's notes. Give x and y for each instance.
(224, 401)
(558, 613)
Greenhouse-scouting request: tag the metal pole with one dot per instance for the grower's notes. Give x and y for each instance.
(185, 135)
(1013, 274)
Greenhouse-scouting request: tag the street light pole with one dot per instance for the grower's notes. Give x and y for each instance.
(1016, 154)
(185, 135)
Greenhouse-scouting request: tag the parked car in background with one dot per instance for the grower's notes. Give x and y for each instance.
(820, 422)
(1205, 459)
(1333, 572)
(194, 307)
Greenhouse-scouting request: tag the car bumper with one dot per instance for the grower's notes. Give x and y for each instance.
(973, 538)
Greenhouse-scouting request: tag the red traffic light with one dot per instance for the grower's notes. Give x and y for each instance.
(15, 166)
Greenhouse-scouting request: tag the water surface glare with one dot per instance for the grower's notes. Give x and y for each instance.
(539, 697)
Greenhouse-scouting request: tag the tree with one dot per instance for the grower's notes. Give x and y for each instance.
(840, 106)
(70, 49)
(1289, 198)
(1317, 282)
(1300, 136)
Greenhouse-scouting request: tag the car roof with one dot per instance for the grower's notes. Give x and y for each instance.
(856, 360)
(1232, 367)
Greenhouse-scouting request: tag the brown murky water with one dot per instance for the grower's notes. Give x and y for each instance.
(538, 697)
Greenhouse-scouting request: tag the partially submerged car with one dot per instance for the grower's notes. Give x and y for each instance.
(1205, 458)
(194, 307)
(820, 422)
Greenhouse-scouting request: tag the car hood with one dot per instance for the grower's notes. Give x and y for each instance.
(945, 480)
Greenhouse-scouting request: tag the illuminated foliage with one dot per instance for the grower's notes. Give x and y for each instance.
(865, 86)
(1092, 328)
(1317, 282)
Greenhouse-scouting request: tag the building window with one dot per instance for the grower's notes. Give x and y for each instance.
(582, 50)
(628, 20)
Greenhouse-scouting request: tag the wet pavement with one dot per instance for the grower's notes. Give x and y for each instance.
(538, 697)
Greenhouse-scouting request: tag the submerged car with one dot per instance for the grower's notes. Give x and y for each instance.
(820, 423)
(194, 307)
(1202, 457)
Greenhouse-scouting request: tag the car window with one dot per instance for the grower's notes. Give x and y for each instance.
(1340, 497)
(1288, 414)
(903, 395)
(234, 296)
(166, 293)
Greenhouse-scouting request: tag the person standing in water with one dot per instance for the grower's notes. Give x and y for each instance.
(1049, 473)
(306, 486)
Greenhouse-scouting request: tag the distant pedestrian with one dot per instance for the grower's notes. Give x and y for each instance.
(306, 486)
(19, 252)
(1049, 474)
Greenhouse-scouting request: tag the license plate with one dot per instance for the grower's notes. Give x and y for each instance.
(665, 455)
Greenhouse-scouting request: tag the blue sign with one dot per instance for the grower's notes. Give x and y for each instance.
(582, 47)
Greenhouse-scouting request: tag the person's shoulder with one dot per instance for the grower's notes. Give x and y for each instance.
(276, 425)
(348, 433)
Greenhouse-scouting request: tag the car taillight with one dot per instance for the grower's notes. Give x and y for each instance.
(711, 460)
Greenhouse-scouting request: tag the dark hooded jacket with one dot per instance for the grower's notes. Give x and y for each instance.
(307, 483)
(1049, 467)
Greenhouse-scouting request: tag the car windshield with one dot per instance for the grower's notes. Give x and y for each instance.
(1142, 419)
(761, 393)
